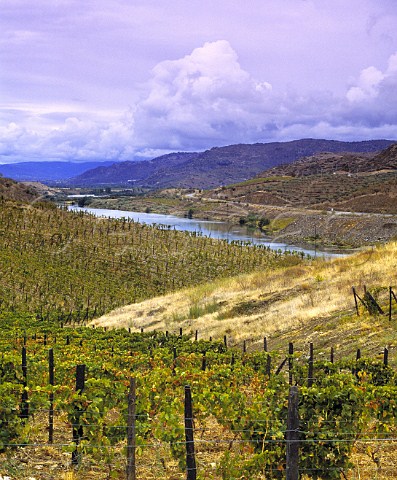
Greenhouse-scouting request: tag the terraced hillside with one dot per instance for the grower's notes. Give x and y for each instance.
(357, 183)
(369, 192)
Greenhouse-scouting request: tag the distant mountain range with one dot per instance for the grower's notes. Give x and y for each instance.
(47, 171)
(209, 169)
(217, 166)
(137, 173)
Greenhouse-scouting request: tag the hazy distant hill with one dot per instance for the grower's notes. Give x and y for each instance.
(134, 173)
(219, 165)
(47, 171)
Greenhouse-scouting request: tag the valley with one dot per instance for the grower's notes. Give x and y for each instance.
(345, 200)
(290, 224)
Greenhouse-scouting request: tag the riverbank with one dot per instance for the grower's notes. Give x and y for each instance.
(285, 224)
(217, 230)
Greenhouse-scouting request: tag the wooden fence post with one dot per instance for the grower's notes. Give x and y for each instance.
(268, 365)
(371, 304)
(292, 435)
(391, 296)
(358, 356)
(51, 380)
(386, 356)
(310, 372)
(77, 427)
(131, 431)
(175, 355)
(25, 398)
(355, 301)
(280, 367)
(191, 471)
(265, 344)
(290, 361)
(203, 363)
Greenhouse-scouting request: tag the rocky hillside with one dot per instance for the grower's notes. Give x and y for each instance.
(11, 190)
(387, 159)
(217, 166)
(331, 163)
(347, 182)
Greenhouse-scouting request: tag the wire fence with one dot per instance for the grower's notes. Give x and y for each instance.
(154, 460)
(217, 451)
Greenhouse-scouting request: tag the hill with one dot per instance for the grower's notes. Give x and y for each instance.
(46, 251)
(132, 173)
(217, 166)
(12, 190)
(47, 171)
(331, 163)
(346, 182)
(310, 302)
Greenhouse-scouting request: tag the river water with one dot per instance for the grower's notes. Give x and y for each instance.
(212, 229)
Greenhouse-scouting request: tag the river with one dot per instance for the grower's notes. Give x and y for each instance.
(212, 229)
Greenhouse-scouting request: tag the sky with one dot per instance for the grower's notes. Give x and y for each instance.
(133, 79)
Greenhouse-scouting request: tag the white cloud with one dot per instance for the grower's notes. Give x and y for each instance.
(367, 87)
(74, 139)
(372, 82)
(205, 95)
(373, 100)
(392, 65)
(201, 100)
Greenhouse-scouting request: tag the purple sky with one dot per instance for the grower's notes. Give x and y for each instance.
(118, 79)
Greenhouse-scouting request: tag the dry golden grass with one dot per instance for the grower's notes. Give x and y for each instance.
(272, 304)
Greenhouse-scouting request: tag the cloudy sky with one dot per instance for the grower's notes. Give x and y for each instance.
(124, 79)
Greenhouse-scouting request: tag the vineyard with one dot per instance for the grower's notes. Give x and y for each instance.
(66, 401)
(73, 266)
(240, 405)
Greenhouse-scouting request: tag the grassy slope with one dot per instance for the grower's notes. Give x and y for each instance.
(305, 303)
